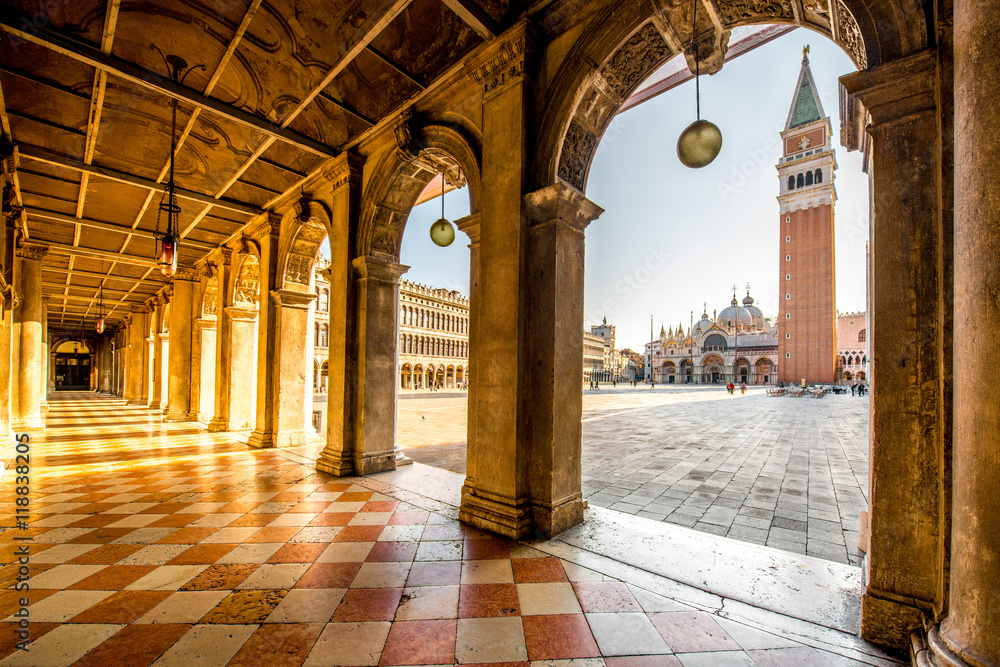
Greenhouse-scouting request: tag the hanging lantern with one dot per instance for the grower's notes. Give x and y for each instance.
(100, 325)
(701, 141)
(100, 306)
(442, 231)
(167, 260)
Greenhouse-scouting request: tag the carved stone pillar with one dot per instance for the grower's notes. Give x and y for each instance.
(207, 334)
(138, 374)
(223, 343)
(46, 366)
(241, 411)
(375, 409)
(31, 361)
(558, 216)
(910, 358)
(497, 497)
(471, 226)
(156, 392)
(337, 457)
(266, 234)
(970, 635)
(179, 378)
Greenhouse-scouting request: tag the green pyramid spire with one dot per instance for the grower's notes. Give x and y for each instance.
(806, 107)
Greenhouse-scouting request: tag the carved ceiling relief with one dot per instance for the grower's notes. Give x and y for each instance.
(247, 282)
(754, 11)
(849, 35)
(384, 235)
(298, 269)
(577, 150)
(817, 12)
(635, 60)
(211, 301)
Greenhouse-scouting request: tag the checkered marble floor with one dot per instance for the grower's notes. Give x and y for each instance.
(161, 544)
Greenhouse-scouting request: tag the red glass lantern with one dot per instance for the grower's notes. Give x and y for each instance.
(167, 260)
(100, 325)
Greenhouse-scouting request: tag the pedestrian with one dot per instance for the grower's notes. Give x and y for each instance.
(614, 384)
(597, 384)
(853, 388)
(743, 387)
(591, 385)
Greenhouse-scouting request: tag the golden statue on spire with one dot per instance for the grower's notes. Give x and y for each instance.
(805, 52)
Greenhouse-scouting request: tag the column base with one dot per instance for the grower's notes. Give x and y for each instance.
(336, 465)
(218, 425)
(179, 417)
(261, 440)
(938, 651)
(32, 424)
(369, 464)
(135, 401)
(512, 519)
(887, 622)
(401, 458)
(154, 406)
(555, 518)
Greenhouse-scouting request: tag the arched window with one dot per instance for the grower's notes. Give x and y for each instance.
(324, 336)
(819, 175)
(862, 336)
(800, 181)
(324, 300)
(316, 335)
(809, 178)
(791, 182)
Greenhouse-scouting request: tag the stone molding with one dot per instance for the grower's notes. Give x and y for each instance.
(560, 204)
(896, 91)
(470, 225)
(345, 170)
(289, 299)
(139, 308)
(189, 275)
(378, 270)
(796, 200)
(204, 324)
(29, 250)
(238, 314)
(504, 64)
(270, 225)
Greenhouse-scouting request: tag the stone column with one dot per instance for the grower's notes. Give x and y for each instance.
(558, 216)
(206, 333)
(970, 635)
(46, 366)
(337, 457)
(375, 407)
(156, 391)
(470, 225)
(129, 357)
(498, 500)
(910, 338)
(7, 385)
(266, 234)
(31, 362)
(223, 343)
(179, 380)
(138, 373)
(240, 411)
(164, 365)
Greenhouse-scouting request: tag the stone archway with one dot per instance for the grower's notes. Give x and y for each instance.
(890, 43)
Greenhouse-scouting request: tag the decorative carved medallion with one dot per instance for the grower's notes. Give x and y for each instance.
(754, 11)
(211, 301)
(635, 59)
(850, 35)
(384, 242)
(247, 282)
(577, 149)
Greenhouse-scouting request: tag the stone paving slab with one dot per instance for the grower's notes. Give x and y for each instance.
(790, 473)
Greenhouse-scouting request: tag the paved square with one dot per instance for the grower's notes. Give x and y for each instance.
(790, 473)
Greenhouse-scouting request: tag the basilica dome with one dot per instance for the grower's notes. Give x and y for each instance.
(735, 315)
(755, 312)
(702, 325)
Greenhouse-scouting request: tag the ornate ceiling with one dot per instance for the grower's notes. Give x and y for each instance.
(278, 88)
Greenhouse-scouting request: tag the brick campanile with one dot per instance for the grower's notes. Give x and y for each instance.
(807, 314)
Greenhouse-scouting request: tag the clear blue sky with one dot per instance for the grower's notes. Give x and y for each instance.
(699, 230)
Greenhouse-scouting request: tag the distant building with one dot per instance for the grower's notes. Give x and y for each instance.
(433, 337)
(738, 345)
(852, 350)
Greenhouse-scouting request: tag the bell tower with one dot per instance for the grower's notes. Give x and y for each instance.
(807, 315)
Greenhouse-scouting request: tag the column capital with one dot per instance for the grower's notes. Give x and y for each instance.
(896, 90)
(270, 225)
(139, 308)
(378, 270)
(127, 319)
(470, 225)
(503, 64)
(238, 314)
(560, 204)
(189, 275)
(205, 323)
(31, 250)
(345, 169)
(289, 299)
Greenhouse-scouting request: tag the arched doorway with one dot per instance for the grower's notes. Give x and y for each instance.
(71, 362)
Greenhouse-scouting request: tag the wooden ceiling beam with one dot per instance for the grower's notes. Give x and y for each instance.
(475, 17)
(92, 253)
(102, 276)
(42, 155)
(107, 226)
(65, 45)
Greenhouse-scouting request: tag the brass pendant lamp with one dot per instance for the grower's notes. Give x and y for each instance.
(442, 231)
(701, 141)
